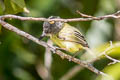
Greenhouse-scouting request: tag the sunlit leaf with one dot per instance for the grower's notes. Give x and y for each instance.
(1, 8)
(20, 3)
(14, 6)
(113, 71)
(113, 50)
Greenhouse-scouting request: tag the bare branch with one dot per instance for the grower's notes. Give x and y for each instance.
(84, 15)
(48, 61)
(87, 18)
(52, 48)
(115, 15)
(106, 55)
(114, 60)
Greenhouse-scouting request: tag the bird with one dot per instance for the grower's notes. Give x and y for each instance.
(64, 35)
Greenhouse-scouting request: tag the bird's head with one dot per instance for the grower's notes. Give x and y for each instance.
(52, 27)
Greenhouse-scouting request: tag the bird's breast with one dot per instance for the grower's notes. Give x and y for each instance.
(71, 46)
(67, 45)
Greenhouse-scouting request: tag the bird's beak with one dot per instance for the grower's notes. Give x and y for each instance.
(42, 36)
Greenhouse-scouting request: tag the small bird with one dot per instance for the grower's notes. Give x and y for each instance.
(64, 35)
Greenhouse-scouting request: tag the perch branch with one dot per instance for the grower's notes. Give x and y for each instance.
(52, 48)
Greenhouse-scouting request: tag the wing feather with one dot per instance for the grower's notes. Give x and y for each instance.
(80, 38)
(70, 33)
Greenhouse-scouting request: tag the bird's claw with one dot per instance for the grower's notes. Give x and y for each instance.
(71, 58)
(53, 48)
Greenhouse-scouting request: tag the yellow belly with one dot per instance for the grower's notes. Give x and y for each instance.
(70, 46)
(67, 45)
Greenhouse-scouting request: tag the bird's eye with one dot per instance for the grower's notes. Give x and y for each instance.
(51, 22)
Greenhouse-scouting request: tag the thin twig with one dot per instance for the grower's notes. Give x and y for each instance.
(104, 53)
(84, 15)
(112, 59)
(48, 61)
(114, 15)
(89, 18)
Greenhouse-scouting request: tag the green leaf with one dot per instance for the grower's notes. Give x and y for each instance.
(114, 51)
(14, 6)
(20, 3)
(113, 71)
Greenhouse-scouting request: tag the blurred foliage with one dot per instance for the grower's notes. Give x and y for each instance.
(19, 57)
(111, 70)
(14, 6)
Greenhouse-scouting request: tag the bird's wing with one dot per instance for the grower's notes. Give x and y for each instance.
(80, 38)
(72, 34)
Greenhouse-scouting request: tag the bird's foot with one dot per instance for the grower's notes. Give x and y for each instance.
(71, 58)
(52, 48)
